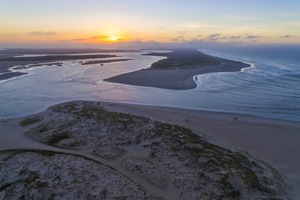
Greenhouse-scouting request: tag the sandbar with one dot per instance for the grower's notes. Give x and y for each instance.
(176, 72)
(8, 61)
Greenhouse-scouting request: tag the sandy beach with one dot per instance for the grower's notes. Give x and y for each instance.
(265, 139)
(177, 70)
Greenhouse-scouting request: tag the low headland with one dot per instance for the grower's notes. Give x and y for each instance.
(122, 151)
(177, 70)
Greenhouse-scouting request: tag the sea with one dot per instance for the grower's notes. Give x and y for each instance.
(270, 87)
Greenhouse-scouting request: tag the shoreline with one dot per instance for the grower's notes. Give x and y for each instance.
(232, 112)
(266, 139)
(177, 70)
(9, 62)
(158, 75)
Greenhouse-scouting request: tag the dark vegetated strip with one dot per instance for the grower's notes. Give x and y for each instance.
(55, 138)
(30, 120)
(183, 58)
(104, 61)
(56, 57)
(56, 51)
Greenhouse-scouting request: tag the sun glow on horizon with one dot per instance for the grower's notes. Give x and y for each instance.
(113, 38)
(135, 24)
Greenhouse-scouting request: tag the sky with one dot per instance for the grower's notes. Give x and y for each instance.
(142, 23)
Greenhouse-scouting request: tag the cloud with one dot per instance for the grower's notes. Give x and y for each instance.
(234, 37)
(178, 39)
(286, 36)
(218, 37)
(42, 33)
(76, 40)
(86, 39)
(251, 37)
(196, 41)
(95, 39)
(214, 37)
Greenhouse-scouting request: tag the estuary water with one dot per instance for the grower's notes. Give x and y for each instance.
(270, 88)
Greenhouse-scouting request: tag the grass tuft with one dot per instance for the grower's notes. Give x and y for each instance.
(30, 120)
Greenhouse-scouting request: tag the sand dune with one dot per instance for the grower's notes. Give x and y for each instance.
(156, 156)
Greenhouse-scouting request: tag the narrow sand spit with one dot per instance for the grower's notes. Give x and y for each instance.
(176, 72)
(62, 147)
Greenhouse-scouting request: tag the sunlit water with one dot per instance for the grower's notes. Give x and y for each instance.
(269, 89)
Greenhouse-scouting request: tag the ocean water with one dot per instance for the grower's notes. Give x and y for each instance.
(270, 88)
